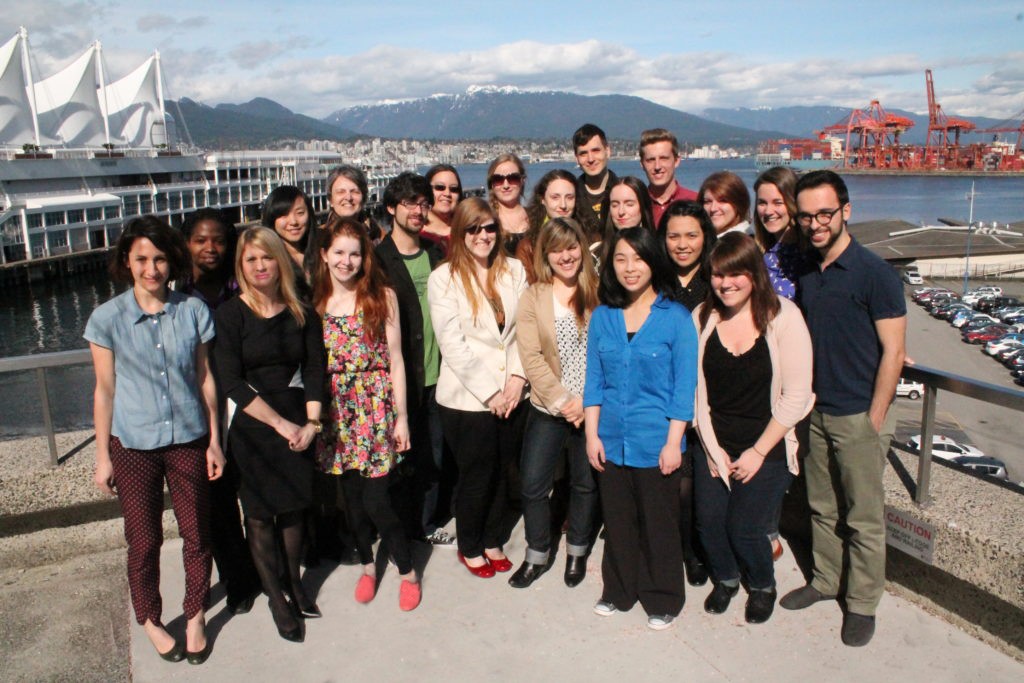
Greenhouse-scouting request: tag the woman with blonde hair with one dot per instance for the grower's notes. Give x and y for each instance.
(474, 297)
(553, 317)
(506, 179)
(270, 362)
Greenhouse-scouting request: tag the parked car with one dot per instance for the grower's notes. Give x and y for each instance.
(910, 389)
(990, 305)
(1006, 356)
(990, 467)
(941, 300)
(912, 277)
(960, 317)
(984, 334)
(921, 291)
(944, 447)
(978, 320)
(974, 297)
(997, 345)
(923, 299)
(945, 311)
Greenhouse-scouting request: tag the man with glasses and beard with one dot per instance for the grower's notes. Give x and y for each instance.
(856, 313)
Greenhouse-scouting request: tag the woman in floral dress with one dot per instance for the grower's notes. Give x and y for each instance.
(366, 427)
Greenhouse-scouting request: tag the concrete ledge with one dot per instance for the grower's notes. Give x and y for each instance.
(976, 579)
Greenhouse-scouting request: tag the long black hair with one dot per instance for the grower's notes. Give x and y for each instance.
(645, 244)
(280, 202)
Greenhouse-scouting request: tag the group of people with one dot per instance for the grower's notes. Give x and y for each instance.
(639, 358)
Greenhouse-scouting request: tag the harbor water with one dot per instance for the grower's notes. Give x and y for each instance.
(51, 316)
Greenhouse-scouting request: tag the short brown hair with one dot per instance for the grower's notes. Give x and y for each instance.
(729, 188)
(165, 238)
(652, 135)
(736, 253)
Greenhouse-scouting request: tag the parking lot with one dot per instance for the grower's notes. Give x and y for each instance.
(997, 431)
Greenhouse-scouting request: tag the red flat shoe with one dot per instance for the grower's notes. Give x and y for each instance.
(484, 571)
(502, 565)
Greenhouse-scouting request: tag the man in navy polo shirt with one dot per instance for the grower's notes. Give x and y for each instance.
(856, 313)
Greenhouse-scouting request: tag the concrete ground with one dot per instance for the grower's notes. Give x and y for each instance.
(71, 621)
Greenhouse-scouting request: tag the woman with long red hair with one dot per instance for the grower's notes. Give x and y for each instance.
(367, 427)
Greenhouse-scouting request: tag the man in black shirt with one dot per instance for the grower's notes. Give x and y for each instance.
(592, 153)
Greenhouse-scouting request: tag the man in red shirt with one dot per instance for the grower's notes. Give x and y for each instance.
(659, 155)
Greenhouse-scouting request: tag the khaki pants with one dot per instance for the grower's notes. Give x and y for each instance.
(847, 500)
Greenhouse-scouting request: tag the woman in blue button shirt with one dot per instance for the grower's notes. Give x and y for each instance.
(156, 418)
(638, 398)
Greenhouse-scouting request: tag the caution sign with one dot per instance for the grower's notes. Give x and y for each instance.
(909, 534)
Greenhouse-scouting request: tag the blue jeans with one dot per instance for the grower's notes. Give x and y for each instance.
(734, 523)
(542, 446)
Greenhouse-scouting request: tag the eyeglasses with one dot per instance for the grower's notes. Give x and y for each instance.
(441, 187)
(823, 217)
(510, 178)
(422, 206)
(489, 228)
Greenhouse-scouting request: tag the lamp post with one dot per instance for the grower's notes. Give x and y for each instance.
(970, 226)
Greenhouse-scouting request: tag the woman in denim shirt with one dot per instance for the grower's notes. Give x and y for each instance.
(638, 398)
(156, 418)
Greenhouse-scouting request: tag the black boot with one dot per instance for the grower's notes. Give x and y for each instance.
(575, 570)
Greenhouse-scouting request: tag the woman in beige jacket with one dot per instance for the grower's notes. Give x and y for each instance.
(552, 335)
(473, 300)
(753, 386)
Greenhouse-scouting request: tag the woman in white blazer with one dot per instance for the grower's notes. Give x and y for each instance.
(473, 299)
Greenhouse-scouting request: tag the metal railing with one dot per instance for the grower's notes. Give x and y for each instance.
(934, 380)
(39, 363)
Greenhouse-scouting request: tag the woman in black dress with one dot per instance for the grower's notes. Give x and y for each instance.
(270, 362)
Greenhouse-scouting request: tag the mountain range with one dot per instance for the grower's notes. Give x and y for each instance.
(485, 113)
(489, 113)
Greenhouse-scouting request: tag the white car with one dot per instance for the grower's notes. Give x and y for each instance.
(912, 277)
(944, 447)
(974, 297)
(912, 390)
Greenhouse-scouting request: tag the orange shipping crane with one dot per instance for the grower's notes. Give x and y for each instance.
(940, 150)
(1015, 124)
(877, 134)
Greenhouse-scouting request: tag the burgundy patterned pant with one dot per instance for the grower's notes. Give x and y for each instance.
(139, 479)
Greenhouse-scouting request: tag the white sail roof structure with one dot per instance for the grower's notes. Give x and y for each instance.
(68, 104)
(134, 107)
(17, 124)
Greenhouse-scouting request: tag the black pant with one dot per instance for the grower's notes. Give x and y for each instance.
(486, 450)
(368, 505)
(227, 542)
(643, 557)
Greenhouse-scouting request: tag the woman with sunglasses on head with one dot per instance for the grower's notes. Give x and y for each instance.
(554, 197)
(638, 399)
(629, 206)
(447, 188)
(726, 200)
(552, 335)
(154, 426)
(368, 426)
(474, 298)
(506, 179)
(687, 235)
(753, 387)
(270, 362)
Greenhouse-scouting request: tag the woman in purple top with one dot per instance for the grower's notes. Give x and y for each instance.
(775, 230)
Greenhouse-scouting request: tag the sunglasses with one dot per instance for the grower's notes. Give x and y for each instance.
(441, 187)
(489, 228)
(511, 179)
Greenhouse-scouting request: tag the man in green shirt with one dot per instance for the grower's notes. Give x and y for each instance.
(408, 262)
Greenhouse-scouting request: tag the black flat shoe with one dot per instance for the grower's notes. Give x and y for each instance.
(696, 572)
(175, 654)
(760, 605)
(243, 604)
(575, 570)
(718, 601)
(201, 656)
(527, 573)
(309, 611)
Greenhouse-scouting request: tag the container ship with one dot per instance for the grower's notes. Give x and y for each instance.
(868, 141)
(79, 156)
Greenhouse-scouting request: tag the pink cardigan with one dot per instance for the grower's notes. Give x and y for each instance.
(789, 346)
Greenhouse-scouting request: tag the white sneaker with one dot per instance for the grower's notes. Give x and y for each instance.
(660, 622)
(605, 609)
(441, 538)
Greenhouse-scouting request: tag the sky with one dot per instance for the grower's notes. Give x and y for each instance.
(316, 57)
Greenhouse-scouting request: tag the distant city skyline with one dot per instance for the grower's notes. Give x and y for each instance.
(317, 57)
